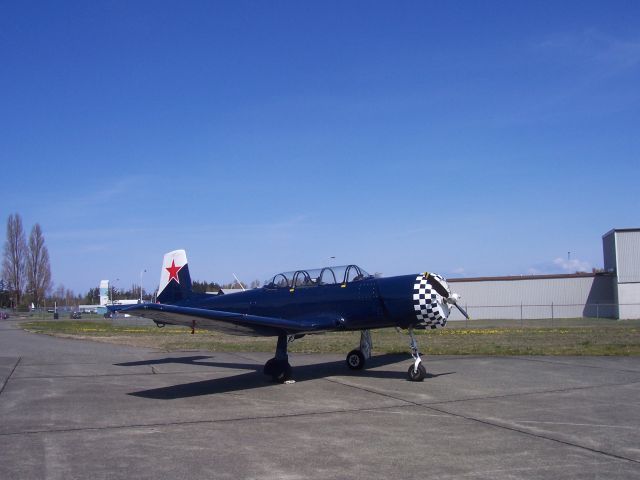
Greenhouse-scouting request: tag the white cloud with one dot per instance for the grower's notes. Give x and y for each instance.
(559, 265)
(572, 265)
(615, 53)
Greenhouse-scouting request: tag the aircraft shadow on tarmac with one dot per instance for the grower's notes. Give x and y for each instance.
(256, 379)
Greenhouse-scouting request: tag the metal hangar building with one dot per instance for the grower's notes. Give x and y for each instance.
(613, 293)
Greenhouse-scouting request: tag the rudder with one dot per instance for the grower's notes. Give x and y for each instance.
(175, 281)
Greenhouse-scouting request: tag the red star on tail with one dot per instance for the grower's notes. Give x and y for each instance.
(173, 271)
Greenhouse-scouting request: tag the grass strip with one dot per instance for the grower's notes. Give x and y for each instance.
(610, 338)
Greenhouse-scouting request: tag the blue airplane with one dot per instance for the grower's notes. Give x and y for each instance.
(294, 304)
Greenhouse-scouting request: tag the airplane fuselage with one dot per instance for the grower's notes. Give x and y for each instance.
(365, 304)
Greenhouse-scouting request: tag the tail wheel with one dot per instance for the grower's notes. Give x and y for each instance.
(355, 360)
(417, 375)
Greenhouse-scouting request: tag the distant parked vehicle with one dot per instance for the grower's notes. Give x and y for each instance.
(75, 315)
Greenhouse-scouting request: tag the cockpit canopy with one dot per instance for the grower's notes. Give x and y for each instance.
(317, 277)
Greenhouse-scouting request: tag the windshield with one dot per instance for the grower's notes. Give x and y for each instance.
(317, 276)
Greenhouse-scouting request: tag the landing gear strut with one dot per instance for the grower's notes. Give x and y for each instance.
(278, 368)
(358, 357)
(416, 371)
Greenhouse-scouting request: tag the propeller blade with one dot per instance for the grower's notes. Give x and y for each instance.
(462, 311)
(438, 287)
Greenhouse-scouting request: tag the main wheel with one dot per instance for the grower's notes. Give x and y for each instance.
(355, 360)
(417, 375)
(282, 373)
(279, 370)
(269, 367)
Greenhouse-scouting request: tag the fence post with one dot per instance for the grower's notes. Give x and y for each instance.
(597, 311)
(520, 314)
(552, 314)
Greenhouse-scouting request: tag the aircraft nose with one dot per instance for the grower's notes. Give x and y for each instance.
(430, 294)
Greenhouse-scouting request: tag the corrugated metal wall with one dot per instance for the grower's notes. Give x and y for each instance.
(567, 297)
(628, 255)
(629, 294)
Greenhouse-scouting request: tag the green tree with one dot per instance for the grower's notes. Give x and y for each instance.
(92, 297)
(204, 287)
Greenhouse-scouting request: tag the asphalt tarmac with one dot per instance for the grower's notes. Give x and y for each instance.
(75, 409)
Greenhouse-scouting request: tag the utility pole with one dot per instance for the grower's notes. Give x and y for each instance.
(142, 272)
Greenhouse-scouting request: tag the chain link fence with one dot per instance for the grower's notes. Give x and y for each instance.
(552, 314)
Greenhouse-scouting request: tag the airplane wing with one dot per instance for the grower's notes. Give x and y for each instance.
(229, 322)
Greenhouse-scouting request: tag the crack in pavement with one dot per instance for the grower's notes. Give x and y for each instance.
(4, 384)
(430, 406)
(202, 422)
(574, 365)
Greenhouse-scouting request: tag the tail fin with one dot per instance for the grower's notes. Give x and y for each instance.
(175, 281)
(104, 292)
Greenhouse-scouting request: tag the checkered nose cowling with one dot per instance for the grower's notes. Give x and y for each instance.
(430, 306)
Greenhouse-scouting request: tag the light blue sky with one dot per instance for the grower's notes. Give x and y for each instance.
(466, 138)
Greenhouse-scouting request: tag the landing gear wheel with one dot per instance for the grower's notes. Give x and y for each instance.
(282, 374)
(417, 375)
(279, 370)
(355, 360)
(269, 367)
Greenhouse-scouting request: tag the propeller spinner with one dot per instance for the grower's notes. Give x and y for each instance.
(453, 300)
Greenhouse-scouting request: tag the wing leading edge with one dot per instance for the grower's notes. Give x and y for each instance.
(229, 322)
